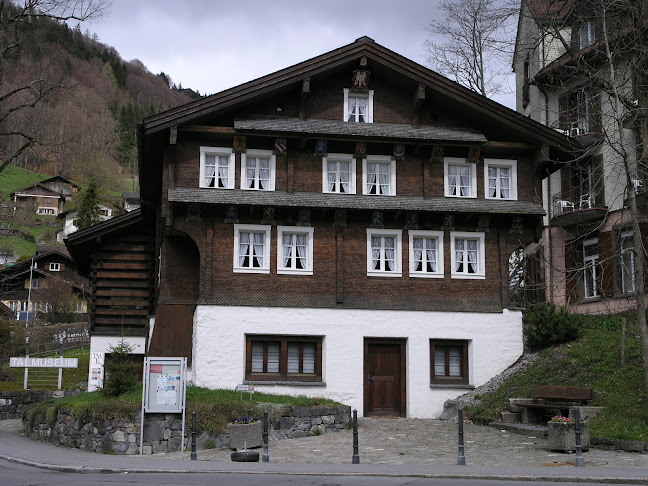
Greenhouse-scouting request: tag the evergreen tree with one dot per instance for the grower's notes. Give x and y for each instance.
(121, 370)
(89, 211)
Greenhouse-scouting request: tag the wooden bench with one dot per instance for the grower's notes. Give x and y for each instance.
(550, 400)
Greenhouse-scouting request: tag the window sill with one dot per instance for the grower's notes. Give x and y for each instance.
(468, 276)
(457, 386)
(425, 275)
(251, 270)
(294, 272)
(384, 274)
(284, 383)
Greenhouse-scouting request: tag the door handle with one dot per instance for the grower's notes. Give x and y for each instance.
(370, 378)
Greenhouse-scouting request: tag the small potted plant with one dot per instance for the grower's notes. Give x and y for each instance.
(562, 434)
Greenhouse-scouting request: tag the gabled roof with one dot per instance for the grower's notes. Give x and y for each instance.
(39, 255)
(492, 114)
(61, 179)
(80, 243)
(33, 187)
(545, 10)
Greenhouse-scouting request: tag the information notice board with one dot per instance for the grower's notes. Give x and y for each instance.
(164, 390)
(165, 385)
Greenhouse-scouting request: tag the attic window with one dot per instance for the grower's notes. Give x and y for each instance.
(358, 106)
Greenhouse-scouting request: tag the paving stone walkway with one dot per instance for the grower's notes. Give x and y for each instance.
(416, 441)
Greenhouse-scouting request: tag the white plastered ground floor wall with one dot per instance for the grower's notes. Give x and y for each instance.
(495, 342)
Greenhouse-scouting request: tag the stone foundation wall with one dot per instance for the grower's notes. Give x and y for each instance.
(12, 403)
(163, 432)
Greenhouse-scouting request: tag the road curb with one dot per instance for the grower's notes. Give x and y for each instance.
(415, 475)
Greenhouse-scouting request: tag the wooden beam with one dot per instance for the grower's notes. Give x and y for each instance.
(303, 99)
(494, 145)
(419, 98)
(208, 129)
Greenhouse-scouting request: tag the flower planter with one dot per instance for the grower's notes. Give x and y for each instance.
(562, 436)
(246, 435)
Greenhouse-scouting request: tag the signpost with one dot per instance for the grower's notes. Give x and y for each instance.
(245, 388)
(60, 363)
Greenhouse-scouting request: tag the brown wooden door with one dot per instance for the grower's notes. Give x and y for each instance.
(384, 388)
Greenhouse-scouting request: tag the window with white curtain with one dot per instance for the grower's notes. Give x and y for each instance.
(468, 259)
(627, 258)
(426, 254)
(339, 173)
(251, 248)
(283, 358)
(379, 175)
(460, 177)
(258, 170)
(384, 252)
(294, 250)
(217, 167)
(449, 362)
(358, 106)
(500, 179)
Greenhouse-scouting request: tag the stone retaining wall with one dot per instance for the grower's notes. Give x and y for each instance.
(12, 403)
(163, 432)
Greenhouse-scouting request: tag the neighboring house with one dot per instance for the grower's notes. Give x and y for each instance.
(44, 200)
(340, 228)
(47, 196)
(69, 227)
(131, 201)
(585, 259)
(53, 269)
(61, 185)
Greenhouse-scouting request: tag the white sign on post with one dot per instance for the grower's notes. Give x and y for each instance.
(26, 362)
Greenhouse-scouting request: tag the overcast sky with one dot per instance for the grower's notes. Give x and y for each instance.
(212, 45)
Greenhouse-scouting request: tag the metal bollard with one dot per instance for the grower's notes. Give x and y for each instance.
(194, 457)
(461, 459)
(356, 458)
(577, 430)
(265, 457)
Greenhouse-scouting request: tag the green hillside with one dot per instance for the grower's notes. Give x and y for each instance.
(593, 360)
(13, 178)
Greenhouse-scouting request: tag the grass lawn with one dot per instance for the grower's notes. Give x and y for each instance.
(71, 376)
(13, 178)
(593, 360)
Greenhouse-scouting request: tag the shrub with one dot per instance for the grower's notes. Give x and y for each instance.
(547, 325)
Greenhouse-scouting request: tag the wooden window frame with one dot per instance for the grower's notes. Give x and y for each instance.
(464, 378)
(283, 374)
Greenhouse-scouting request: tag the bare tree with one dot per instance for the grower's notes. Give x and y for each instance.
(472, 43)
(17, 22)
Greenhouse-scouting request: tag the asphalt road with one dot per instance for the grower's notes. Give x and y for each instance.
(21, 475)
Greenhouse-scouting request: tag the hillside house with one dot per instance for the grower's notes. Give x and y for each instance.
(29, 290)
(339, 228)
(47, 196)
(585, 258)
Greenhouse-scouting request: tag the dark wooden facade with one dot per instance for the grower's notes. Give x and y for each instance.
(120, 264)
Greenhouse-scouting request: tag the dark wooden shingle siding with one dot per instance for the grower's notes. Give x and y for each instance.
(122, 278)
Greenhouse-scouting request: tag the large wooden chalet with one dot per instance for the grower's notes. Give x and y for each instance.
(339, 228)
